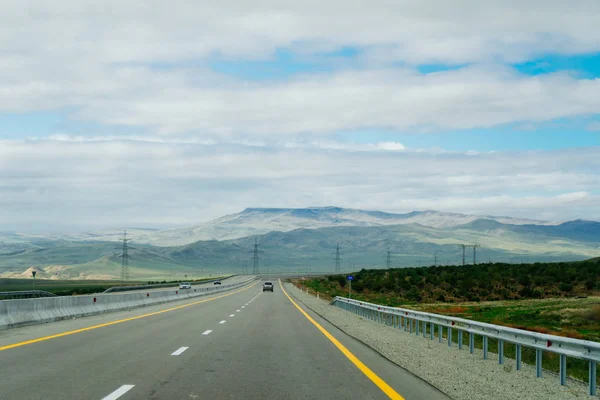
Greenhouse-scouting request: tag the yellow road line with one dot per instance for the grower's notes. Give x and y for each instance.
(385, 388)
(89, 328)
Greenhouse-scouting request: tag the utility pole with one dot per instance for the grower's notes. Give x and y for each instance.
(435, 258)
(463, 246)
(337, 258)
(475, 247)
(33, 273)
(255, 258)
(125, 259)
(389, 260)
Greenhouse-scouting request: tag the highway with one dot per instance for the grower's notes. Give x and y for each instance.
(241, 344)
(197, 286)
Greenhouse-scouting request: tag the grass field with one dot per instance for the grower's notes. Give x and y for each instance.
(73, 287)
(66, 287)
(577, 318)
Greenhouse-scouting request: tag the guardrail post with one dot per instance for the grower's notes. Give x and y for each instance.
(440, 333)
(592, 378)
(471, 342)
(417, 325)
(449, 337)
(485, 347)
(538, 363)
(424, 329)
(460, 339)
(410, 325)
(500, 351)
(563, 370)
(431, 331)
(518, 356)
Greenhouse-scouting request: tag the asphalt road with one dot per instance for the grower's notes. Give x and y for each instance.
(224, 281)
(242, 344)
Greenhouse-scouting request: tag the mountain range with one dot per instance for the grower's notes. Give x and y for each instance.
(300, 239)
(259, 221)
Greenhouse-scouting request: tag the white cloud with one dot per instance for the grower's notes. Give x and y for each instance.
(429, 31)
(332, 145)
(172, 103)
(59, 185)
(109, 64)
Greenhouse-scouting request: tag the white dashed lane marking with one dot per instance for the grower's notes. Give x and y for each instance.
(179, 351)
(119, 392)
(222, 322)
(207, 332)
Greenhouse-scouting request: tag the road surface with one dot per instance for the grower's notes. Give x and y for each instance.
(241, 344)
(198, 286)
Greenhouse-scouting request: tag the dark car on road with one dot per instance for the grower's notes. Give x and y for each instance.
(268, 286)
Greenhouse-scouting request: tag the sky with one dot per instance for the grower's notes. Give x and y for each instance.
(130, 114)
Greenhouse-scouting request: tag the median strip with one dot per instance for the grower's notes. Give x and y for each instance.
(380, 383)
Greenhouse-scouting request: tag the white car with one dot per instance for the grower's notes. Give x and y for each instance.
(185, 285)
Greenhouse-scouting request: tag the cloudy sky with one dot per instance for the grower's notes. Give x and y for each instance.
(159, 114)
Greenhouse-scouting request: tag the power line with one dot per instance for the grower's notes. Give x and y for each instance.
(337, 258)
(255, 258)
(125, 259)
(463, 246)
(474, 247)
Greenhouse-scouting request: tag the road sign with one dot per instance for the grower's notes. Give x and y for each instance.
(350, 277)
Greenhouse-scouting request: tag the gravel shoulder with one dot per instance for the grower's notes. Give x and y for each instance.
(457, 373)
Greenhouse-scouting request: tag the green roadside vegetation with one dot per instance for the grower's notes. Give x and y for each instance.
(554, 298)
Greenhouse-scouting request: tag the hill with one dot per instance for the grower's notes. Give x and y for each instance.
(302, 249)
(259, 221)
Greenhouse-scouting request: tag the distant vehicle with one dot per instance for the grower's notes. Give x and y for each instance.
(268, 286)
(217, 283)
(185, 285)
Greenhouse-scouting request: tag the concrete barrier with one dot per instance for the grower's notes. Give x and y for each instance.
(20, 312)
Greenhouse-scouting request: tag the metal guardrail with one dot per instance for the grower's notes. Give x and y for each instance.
(416, 321)
(25, 294)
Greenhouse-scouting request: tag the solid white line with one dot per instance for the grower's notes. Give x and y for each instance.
(179, 351)
(222, 322)
(207, 332)
(232, 315)
(119, 392)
